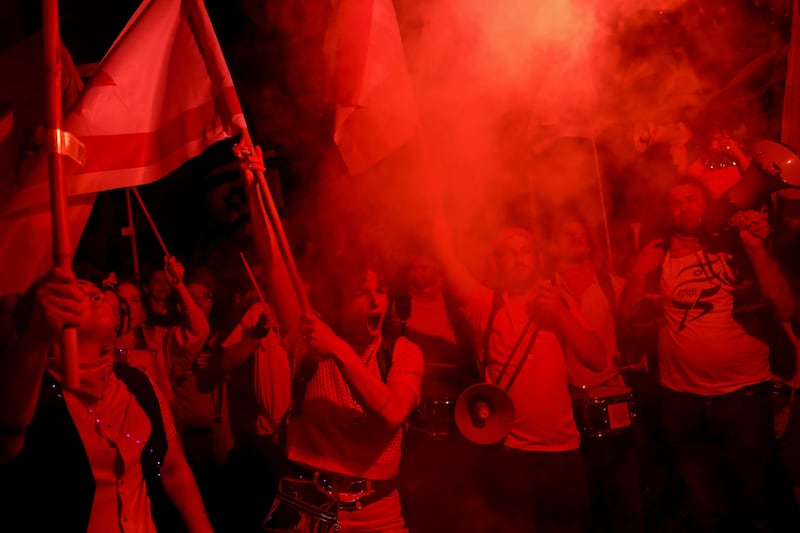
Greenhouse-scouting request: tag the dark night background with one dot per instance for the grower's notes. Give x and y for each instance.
(178, 203)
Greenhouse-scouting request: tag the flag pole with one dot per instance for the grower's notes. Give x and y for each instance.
(130, 231)
(150, 220)
(604, 210)
(62, 247)
(254, 282)
(200, 25)
(271, 212)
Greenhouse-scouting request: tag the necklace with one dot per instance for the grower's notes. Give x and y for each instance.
(109, 428)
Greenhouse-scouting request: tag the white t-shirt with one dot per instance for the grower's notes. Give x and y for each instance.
(595, 308)
(701, 348)
(543, 419)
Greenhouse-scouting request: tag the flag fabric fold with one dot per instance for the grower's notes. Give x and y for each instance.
(370, 84)
(162, 95)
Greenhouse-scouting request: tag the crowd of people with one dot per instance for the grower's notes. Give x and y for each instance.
(661, 398)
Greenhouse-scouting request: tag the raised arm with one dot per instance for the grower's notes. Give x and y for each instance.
(245, 338)
(753, 229)
(57, 302)
(281, 289)
(649, 258)
(185, 341)
(458, 275)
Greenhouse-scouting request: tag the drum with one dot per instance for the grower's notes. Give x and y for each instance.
(434, 417)
(603, 411)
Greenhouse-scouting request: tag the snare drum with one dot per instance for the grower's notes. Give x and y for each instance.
(434, 417)
(603, 411)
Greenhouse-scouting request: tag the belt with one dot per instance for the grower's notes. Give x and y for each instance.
(359, 492)
(763, 388)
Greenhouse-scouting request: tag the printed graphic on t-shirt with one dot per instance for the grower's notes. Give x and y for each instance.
(693, 295)
(701, 348)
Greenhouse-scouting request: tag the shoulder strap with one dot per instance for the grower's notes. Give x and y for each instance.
(385, 353)
(497, 303)
(297, 392)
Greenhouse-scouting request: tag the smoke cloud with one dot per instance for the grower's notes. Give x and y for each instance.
(527, 110)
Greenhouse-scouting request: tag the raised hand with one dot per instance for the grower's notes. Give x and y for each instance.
(58, 302)
(253, 160)
(753, 227)
(319, 337)
(260, 330)
(650, 257)
(548, 305)
(173, 270)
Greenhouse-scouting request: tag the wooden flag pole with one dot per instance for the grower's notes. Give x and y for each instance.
(62, 247)
(254, 282)
(271, 215)
(201, 26)
(604, 210)
(150, 220)
(130, 231)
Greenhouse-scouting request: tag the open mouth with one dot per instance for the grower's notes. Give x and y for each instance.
(374, 320)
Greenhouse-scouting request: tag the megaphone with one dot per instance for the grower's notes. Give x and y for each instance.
(774, 167)
(646, 134)
(484, 414)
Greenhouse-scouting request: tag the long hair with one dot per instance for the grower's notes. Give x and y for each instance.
(331, 287)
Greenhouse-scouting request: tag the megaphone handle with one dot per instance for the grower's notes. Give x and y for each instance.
(481, 410)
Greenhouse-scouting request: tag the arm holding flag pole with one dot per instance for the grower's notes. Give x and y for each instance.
(62, 247)
(228, 105)
(269, 235)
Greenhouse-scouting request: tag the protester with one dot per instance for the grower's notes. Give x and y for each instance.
(604, 403)
(97, 456)
(259, 382)
(438, 463)
(352, 392)
(522, 329)
(714, 369)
